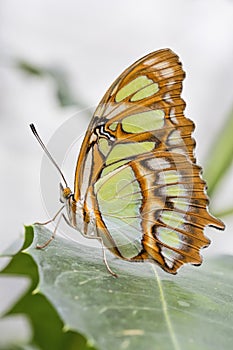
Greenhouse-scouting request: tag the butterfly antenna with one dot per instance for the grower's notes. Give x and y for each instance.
(35, 133)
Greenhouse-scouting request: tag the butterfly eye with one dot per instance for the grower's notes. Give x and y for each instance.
(65, 193)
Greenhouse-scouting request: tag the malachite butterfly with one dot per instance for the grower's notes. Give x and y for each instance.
(137, 188)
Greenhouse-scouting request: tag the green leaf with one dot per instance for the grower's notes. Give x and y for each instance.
(30, 68)
(64, 94)
(221, 156)
(223, 213)
(145, 308)
(47, 327)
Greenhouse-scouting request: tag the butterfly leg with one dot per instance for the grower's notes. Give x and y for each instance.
(54, 232)
(51, 220)
(104, 254)
(104, 257)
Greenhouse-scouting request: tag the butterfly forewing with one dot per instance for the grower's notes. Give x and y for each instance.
(136, 169)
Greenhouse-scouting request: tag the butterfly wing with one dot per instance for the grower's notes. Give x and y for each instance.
(137, 172)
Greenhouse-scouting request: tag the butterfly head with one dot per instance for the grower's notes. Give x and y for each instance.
(65, 193)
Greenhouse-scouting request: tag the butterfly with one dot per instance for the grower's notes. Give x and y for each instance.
(137, 187)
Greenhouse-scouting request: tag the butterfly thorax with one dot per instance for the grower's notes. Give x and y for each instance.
(79, 217)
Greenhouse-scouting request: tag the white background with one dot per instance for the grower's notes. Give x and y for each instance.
(94, 41)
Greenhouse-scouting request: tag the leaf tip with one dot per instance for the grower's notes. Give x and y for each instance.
(36, 291)
(66, 328)
(28, 236)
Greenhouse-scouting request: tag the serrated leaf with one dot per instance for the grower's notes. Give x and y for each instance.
(47, 328)
(144, 308)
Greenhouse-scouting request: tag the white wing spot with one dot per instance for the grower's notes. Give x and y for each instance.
(169, 256)
(167, 97)
(172, 115)
(150, 62)
(180, 150)
(157, 164)
(167, 72)
(161, 65)
(174, 138)
(171, 82)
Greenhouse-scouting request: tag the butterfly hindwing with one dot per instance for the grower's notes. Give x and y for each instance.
(174, 211)
(137, 171)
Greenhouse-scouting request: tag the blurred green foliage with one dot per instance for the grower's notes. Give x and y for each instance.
(63, 92)
(219, 161)
(47, 327)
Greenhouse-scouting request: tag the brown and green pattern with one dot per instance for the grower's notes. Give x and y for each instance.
(136, 172)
